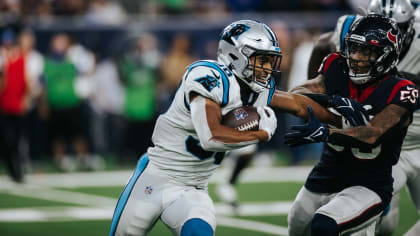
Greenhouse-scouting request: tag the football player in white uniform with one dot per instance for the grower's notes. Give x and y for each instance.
(407, 170)
(170, 180)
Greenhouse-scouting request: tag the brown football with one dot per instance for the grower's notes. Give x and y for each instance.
(243, 118)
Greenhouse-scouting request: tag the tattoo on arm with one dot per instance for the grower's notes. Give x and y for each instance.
(316, 85)
(391, 116)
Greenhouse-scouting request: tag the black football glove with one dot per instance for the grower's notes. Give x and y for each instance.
(351, 110)
(311, 132)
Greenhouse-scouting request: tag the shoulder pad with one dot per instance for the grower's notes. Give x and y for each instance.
(327, 62)
(405, 94)
(209, 79)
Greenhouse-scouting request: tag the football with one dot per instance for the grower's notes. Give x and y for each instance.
(243, 118)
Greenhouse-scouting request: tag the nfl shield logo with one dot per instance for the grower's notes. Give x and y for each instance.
(240, 114)
(148, 190)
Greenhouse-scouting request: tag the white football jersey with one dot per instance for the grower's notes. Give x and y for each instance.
(410, 63)
(177, 149)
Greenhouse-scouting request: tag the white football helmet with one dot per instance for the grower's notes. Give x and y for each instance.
(244, 39)
(402, 11)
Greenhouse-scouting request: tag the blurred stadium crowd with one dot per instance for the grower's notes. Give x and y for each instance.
(85, 80)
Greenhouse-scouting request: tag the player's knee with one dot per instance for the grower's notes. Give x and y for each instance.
(196, 227)
(389, 221)
(323, 225)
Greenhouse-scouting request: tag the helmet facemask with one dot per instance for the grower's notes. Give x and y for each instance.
(262, 67)
(361, 60)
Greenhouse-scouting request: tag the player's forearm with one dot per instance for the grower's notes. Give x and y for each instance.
(372, 135)
(213, 136)
(364, 137)
(297, 104)
(222, 138)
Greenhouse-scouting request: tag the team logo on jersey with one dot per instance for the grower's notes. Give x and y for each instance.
(209, 82)
(240, 114)
(148, 190)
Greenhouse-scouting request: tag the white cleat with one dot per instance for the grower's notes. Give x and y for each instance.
(227, 193)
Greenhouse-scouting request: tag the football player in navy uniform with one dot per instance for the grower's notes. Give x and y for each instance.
(352, 184)
(407, 170)
(170, 180)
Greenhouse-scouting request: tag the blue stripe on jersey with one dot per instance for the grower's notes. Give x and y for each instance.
(270, 95)
(346, 26)
(141, 165)
(225, 80)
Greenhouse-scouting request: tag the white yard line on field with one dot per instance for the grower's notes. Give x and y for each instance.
(40, 186)
(120, 178)
(105, 212)
(55, 195)
(251, 225)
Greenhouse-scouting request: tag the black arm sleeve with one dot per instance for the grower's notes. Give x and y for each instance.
(321, 99)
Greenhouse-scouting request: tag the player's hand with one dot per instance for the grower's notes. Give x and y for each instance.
(311, 132)
(354, 112)
(268, 121)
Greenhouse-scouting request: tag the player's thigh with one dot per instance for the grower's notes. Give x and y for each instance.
(303, 209)
(400, 177)
(410, 162)
(139, 205)
(413, 185)
(354, 208)
(191, 204)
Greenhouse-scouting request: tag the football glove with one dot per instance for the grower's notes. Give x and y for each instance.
(354, 112)
(311, 132)
(268, 120)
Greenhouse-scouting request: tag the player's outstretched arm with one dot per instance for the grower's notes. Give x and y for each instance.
(206, 117)
(371, 135)
(363, 137)
(297, 104)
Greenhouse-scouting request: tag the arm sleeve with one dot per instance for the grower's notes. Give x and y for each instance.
(199, 120)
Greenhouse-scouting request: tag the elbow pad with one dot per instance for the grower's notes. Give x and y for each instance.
(199, 120)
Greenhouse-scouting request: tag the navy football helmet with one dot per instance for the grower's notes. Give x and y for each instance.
(377, 40)
(402, 11)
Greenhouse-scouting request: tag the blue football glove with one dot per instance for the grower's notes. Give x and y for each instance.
(311, 132)
(351, 110)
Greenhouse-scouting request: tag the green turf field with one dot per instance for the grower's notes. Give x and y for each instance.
(53, 205)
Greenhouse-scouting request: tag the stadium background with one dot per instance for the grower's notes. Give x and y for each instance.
(130, 56)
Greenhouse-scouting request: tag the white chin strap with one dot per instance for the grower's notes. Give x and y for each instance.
(359, 78)
(254, 86)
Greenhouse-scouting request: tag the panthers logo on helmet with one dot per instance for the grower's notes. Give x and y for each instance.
(234, 31)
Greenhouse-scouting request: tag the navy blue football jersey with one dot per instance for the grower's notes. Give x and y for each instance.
(341, 167)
